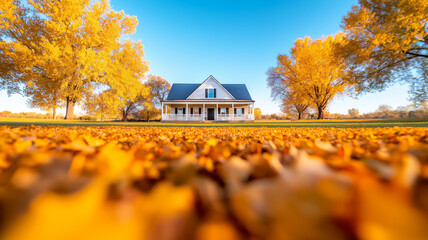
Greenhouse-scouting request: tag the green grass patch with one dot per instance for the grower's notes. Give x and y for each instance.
(371, 123)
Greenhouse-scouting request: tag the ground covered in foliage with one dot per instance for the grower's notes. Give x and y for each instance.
(328, 123)
(212, 183)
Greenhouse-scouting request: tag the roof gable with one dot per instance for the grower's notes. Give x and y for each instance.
(210, 82)
(184, 91)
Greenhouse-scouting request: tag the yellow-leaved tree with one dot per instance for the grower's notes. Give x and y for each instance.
(257, 113)
(148, 102)
(100, 104)
(150, 105)
(128, 69)
(293, 101)
(44, 98)
(387, 41)
(20, 54)
(159, 89)
(313, 72)
(66, 48)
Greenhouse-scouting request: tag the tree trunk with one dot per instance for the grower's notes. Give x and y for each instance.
(320, 113)
(300, 108)
(53, 113)
(124, 115)
(69, 114)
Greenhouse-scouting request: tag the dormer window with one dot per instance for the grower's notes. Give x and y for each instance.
(210, 93)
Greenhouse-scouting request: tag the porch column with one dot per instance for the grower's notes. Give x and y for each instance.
(187, 110)
(216, 112)
(203, 112)
(252, 110)
(233, 113)
(162, 112)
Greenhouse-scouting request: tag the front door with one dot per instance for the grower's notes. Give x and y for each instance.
(210, 114)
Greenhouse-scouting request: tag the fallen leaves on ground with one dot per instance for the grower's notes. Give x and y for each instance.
(211, 183)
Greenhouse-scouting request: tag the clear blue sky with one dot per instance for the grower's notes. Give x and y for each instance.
(236, 41)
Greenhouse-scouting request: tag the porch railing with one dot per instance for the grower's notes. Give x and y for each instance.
(182, 117)
(243, 117)
(194, 117)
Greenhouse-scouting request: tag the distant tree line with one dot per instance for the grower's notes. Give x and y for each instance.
(25, 115)
(383, 112)
(382, 43)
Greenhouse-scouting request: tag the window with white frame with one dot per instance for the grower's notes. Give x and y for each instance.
(239, 111)
(180, 111)
(222, 111)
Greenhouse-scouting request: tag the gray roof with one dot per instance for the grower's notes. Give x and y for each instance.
(238, 91)
(180, 91)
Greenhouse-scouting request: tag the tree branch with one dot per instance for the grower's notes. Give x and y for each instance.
(416, 54)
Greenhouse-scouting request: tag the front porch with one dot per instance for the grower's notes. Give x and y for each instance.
(207, 111)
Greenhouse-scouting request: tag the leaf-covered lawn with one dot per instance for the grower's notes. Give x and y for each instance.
(366, 123)
(213, 183)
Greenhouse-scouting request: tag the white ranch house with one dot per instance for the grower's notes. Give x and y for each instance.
(208, 101)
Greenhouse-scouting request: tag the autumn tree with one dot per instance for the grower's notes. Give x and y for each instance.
(385, 111)
(68, 47)
(257, 113)
(127, 109)
(292, 101)
(101, 104)
(159, 89)
(148, 101)
(354, 113)
(295, 109)
(129, 70)
(387, 41)
(107, 102)
(133, 105)
(313, 69)
(148, 112)
(19, 52)
(147, 109)
(47, 101)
